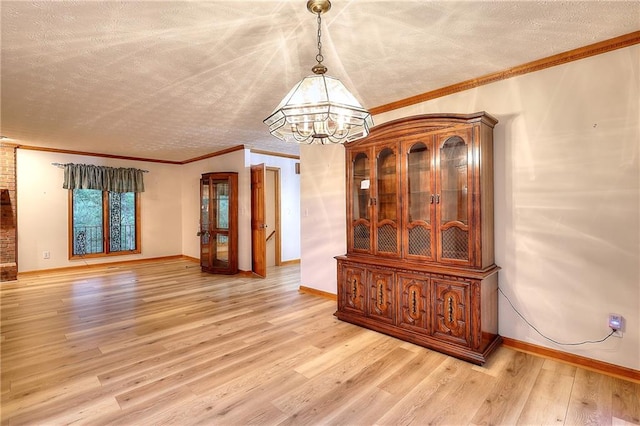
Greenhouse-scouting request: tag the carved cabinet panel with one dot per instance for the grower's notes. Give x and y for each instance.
(451, 311)
(381, 295)
(352, 289)
(413, 311)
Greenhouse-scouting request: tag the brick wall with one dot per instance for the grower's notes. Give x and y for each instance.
(8, 216)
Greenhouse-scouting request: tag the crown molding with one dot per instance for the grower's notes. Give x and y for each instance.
(93, 154)
(275, 154)
(213, 154)
(548, 62)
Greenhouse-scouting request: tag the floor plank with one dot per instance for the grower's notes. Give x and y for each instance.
(163, 343)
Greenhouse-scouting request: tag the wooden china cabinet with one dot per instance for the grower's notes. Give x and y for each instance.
(219, 223)
(420, 255)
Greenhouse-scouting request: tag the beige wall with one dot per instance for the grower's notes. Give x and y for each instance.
(240, 162)
(169, 207)
(190, 201)
(322, 209)
(289, 202)
(567, 209)
(43, 210)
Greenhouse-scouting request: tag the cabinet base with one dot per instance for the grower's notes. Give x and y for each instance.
(439, 345)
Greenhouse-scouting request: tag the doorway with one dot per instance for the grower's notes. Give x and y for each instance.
(272, 209)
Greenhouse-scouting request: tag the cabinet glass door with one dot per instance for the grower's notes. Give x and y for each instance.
(220, 223)
(361, 193)
(386, 202)
(420, 201)
(205, 253)
(453, 200)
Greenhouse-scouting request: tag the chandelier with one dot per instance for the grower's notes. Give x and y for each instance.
(319, 109)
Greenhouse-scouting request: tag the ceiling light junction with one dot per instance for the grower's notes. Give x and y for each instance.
(319, 109)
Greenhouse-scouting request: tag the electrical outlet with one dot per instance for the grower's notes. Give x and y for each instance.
(616, 323)
(46, 255)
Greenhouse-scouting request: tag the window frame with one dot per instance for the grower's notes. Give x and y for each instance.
(105, 230)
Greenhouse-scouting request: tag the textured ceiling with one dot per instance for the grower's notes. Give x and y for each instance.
(174, 80)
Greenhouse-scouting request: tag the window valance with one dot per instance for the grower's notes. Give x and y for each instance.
(112, 179)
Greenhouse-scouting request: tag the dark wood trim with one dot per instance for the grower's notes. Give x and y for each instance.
(548, 62)
(3, 142)
(275, 154)
(316, 292)
(94, 154)
(106, 224)
(150, 160)
(193, 259)
(290, 262)
(213, 154)
(105, 264)
(123, 157)
(580, 361)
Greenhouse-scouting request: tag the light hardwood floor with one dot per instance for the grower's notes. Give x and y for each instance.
(163, 343)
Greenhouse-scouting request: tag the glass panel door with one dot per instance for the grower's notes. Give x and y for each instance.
(386, 202)
(420, 200)
(453, 199)
(361, 193)
(205, 252)
(220, 223)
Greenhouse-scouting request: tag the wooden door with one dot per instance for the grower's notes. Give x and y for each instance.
(258, 222)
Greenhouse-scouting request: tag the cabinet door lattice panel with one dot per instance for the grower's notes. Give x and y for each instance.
(455, 243)
(419, 241)
(387, 239)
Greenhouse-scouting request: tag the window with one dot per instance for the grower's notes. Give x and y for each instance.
(103, 223)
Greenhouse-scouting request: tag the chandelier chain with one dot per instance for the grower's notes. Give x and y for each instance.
(319, 56)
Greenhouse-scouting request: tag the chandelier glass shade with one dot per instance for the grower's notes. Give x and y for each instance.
(319, 109)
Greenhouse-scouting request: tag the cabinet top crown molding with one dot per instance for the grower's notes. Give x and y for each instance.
(422, 121)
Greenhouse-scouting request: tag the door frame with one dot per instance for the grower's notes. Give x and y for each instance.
(277, 221)
(258, 231)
